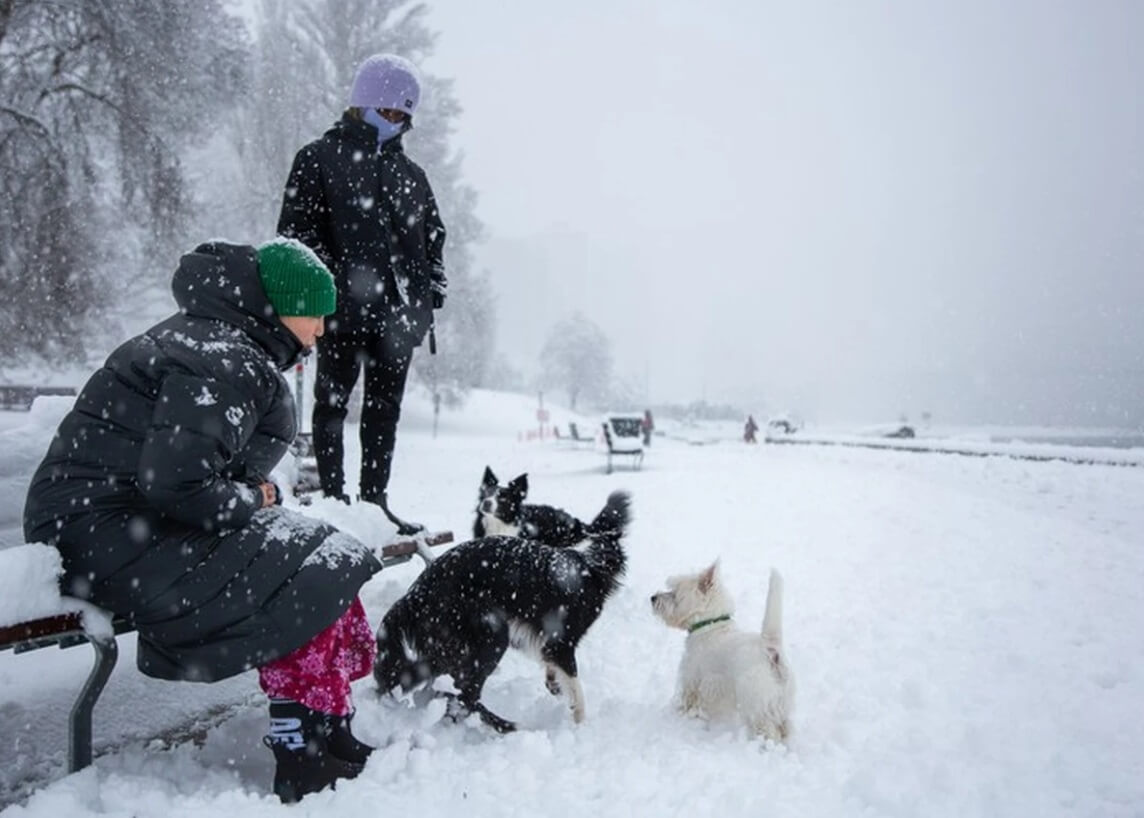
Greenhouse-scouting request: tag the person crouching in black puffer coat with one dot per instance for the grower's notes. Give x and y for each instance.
(156, 493)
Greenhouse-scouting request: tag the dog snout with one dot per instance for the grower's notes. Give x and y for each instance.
(486, 506)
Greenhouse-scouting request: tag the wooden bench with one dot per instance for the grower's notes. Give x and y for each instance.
(67, 630)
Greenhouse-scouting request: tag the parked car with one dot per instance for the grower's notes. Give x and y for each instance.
(782, 425)
(902, 432)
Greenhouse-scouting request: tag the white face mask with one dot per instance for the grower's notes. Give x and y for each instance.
(386, 130)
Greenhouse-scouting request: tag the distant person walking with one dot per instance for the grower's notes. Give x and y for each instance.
(648, 426)
(369, 213)
(750, 429)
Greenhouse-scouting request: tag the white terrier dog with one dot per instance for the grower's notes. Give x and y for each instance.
(728, 675)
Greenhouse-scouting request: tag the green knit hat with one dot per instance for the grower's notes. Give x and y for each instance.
(295, 279)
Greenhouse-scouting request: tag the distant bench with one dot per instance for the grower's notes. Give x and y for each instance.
(19, 398)
(575, 436)
(67, 630)
(623, 436)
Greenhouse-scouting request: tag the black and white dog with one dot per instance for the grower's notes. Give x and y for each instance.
(470, 604)
(501, 511)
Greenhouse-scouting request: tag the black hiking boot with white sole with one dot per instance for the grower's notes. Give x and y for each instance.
(304, 760)
(343, 743)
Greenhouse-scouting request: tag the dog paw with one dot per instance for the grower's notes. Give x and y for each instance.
(455, 710)
(552, 685)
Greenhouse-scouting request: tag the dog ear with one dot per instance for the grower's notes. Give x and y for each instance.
(520, 484)
(707, 578)
(489, 479)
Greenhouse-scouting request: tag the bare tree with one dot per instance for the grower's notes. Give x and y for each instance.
(577, 357)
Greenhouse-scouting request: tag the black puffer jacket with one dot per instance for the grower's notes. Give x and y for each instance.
(149, 489)
(372, 218)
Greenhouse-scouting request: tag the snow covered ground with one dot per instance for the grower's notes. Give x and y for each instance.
(967, 635)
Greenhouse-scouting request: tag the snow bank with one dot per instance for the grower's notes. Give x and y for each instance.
(495, 414)
(24, 440)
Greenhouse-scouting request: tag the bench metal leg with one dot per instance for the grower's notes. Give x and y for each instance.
(79, 722)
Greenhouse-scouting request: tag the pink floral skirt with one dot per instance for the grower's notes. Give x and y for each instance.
(319, 673)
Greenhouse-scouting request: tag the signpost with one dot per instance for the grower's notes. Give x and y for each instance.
(541, 414)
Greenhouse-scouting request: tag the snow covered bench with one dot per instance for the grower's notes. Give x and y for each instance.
(34, 615)
(20, 398)
(576, 438)
(623, 435)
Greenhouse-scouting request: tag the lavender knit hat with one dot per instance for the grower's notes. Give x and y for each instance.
(386, 81)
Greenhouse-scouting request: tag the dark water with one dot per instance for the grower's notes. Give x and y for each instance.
(1118, 441)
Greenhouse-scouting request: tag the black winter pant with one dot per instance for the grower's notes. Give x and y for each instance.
(385, 357)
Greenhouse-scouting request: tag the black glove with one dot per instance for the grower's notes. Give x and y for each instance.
(437, 285)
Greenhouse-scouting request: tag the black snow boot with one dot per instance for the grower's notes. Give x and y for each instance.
(404, 528)
(343, 743)
(304, 762)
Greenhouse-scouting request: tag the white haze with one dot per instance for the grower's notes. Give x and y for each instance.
(849, 210)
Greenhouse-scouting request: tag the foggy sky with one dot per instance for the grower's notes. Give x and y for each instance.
(849, 210)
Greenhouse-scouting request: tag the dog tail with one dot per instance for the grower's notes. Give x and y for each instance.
(614, 516)
(604, 553)
(773, 618)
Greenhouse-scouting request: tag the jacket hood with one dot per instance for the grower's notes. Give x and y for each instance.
(220, 281)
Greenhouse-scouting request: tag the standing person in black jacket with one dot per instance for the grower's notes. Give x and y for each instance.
(156, 491)
(368, 211)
